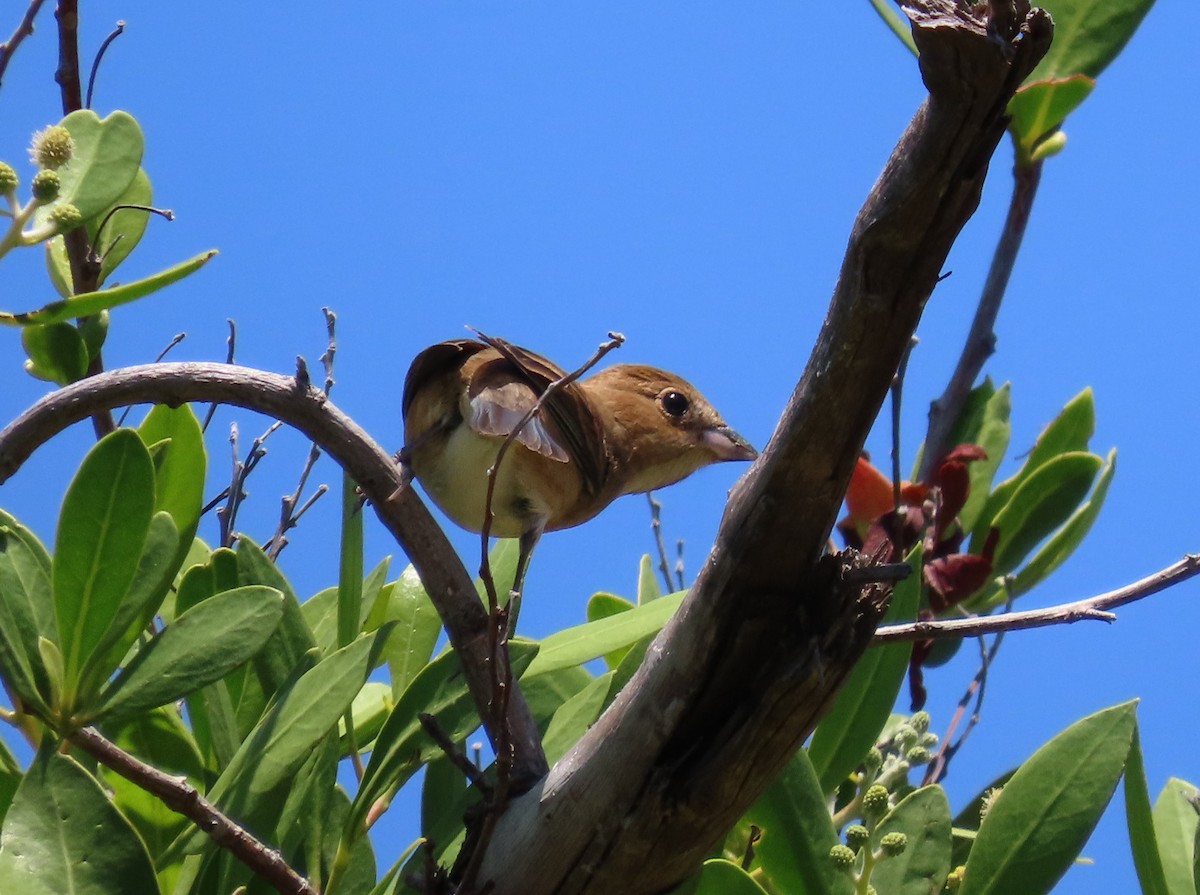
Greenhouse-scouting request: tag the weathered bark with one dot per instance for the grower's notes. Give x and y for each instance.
(742, 674)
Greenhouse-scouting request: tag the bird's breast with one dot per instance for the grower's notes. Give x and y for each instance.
(530, 488)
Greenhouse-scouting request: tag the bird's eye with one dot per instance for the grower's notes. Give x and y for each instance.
(674, 403)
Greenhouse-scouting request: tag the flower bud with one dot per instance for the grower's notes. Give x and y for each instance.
(45, 186)
(841, 856)
(857, 836)
(917, 755)
(52, 148)
(875, 801)
(66, 217)
(8, 178)
(874, 761)
(920, 721)
(893, 844)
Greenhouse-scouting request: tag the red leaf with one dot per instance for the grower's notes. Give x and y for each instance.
(954, 578)
(869, 495)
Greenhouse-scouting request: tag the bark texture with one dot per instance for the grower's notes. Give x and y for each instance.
(742, 674)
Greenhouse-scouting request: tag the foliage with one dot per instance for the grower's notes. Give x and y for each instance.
(206, 664)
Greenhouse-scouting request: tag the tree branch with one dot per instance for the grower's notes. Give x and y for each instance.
(24, 29)
(1096, 608)
(180, 796)
(756, 653)
(396, 503)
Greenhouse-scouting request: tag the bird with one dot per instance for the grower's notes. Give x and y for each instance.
(627, 429)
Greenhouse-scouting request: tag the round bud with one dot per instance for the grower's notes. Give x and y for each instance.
(8, 178)
(857, 836)
(45, 185)
(52, 147)
(920, 721)
(874, 760)
(905, 736)
(841, 856)
(929, 740)
(917, 755)
(66, 217)
(875, 801)
(893, 844)
(955, 880)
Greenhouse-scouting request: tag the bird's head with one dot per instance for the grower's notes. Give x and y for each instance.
(662, 428)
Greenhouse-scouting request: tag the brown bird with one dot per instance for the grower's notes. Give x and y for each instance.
(627, 429)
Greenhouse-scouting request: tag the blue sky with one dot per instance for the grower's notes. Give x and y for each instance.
(688, 175)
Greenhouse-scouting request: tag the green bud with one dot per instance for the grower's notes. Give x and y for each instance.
(1052, 145)
(918, 755)
(871, 890)
(841, 856)
(857, 836)
(8, 178)
(920, 721)
(52, 148)
(875, 801)
(955, 880)
(45, 185)
(874, 761)
(893, 844)
(928, 740)
(905, 736)
(66, 217)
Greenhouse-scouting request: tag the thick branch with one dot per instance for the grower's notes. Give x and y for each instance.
(1096, 608)
(743, 672)
(180, 796)
(307, 409)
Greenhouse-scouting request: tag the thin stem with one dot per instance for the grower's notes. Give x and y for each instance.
(664, 565)
(180, 796)
(1065, 613)
(113, 35)
(981, 340)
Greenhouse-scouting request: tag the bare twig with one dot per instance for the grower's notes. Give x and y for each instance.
(180, 796)
(656, 526)
(230, 344)
(1065, 613)
(451, 751)
(24, 29)
(113, 35)
(981, 339)
(235, 494)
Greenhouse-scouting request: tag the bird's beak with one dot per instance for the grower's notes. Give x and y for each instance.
(727, 444)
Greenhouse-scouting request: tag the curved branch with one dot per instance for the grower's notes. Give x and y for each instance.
(1095, 608)
(377, 475)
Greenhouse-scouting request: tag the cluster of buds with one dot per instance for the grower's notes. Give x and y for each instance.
(51, 149)
(866, 845)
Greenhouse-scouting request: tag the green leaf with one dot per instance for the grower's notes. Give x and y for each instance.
(574, 717)
(1039, 108)
(370, 709)
(896, 22)
(582, 643)
(1088, 35)
(863, 705)
(155, 571)
(503, 561)
(104, 522)
(179, 474)
(547, 692)
(1140, 820)
(292, 644)
(162, 739)
(721, 877)
(602, 605)
(26, 611)
(797, 834)
(62, 836)
(442, 792)
(1042, 818)
(985, 422)
(647, 584)
(350, 565)
(201, 646)
(56, 352)
(968, 819)
(89, 303)
(924, 817)
(303, 714)
(403, 745)
(105, 161)
(10, 778)
(1175, 828)
(1059, 547)
(1069, 431)
(416, 629)
(1041, 503)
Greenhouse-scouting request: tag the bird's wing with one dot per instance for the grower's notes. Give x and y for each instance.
(436, 360)
(567, 428)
